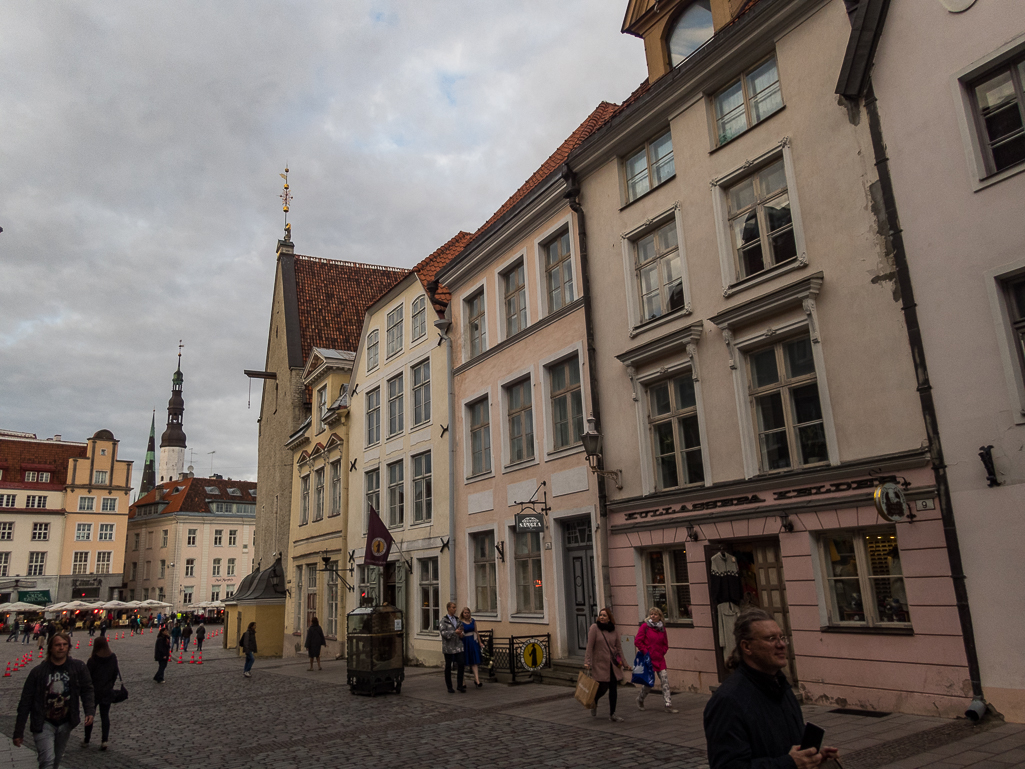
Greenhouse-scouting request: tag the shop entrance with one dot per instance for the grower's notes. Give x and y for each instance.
(581, 596)
(759, 570)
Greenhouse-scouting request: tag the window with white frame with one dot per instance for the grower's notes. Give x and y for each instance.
(80, 562)
(676, 437)
(430, 596)
(229, 591)
(521, 421)
(567, 403)
(163, 538)
(311, 593)
(422, 393)
(162, 569)
(374, 416)
(336, 488)
(480, 437)
(40, 532)
(320, 410)
(35, 501)
(7, 531)
(476, 324)
(215, 568)
(418, 318)
(666, 584)
(368, 579)
(109, 504)
(190, 539)
(106, 532)
(396, 407)
(8, 500)
(86, 504)
(396, 494)
(1014, 293)
(103, 561)
(333, 592)
(318, 494)
(35, 476)
(230, 568)
(864, 578)
(5, 564)
(372, 489)
(304, 500)
(215, 593)
(134, 571)
(760, 221)
(100, 477)
(999, 103)
(485, 575)
(83, 532)
(36, 564)
(690, 31)
(423, 492)
(784, 395)
(218, 537)
(160, 593)
(558, 272)
(649, 166)
(187, 593)
(515, 291)
(393, 333)
(748, 100)
(232, 537)
(373, 347)
(149, 540)
(529, 584)
(135, 541)
(190, 567)
(146, 569)
(659, 272)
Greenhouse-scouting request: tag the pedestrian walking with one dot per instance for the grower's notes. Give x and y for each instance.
(653, 640)
(40, 635)
(604, 660)
(200, 635)
(315, 641)
(26, 631)
(754, 718)
(471, 645)
(161, 653)
(248, 644)
(176, 637)
(15, 629)
(452, 648)
(104, 670)
(186, 635)
(103, 627)
(50, 701)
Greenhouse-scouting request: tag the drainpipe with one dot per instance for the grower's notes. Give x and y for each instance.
(572, 194)
(932, 430)
(443, 326)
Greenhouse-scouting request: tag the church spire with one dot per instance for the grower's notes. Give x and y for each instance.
(172, 442)
(149, 470)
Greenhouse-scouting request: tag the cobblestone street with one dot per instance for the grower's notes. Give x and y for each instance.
(209, 716)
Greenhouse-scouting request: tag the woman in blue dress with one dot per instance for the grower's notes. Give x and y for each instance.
(471, 645)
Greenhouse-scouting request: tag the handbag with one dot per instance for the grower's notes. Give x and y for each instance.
(120, 695)
(587, 690)
(644, 671)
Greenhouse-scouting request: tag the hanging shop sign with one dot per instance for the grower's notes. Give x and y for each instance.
(890, 502)
(533, 655)
(526, 522)
(38, 597)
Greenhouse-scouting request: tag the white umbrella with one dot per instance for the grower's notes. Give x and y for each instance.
(151, 603)
(216, 605)
(20, 606)
(113, 605)
(134, 605)
(79, 605)
(56, 606)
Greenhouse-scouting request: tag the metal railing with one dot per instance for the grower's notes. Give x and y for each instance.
(506, 655)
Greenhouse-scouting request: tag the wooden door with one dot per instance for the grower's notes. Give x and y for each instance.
(772, 594)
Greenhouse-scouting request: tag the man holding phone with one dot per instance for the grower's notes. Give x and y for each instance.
(753, 719)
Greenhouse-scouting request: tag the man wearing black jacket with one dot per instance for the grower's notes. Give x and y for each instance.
(50, 700)
(753, 720)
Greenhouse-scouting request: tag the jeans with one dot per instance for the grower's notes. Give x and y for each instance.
(25, 637)
(250, 659)
(104, 709)
(160, 671)
(459, 661)
(185, 644)
(50, 744)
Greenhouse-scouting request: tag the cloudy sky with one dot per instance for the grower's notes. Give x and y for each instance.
(140, 146)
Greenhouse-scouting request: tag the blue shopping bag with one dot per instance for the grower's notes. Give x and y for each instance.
(644, 671)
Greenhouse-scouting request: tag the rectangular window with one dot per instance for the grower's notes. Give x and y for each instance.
(659, 272)
(190, 567)
(5, 564)
(760, 221)
(1014, 291)
(393, 335)
(36, 564)
(785, 400)
(8, 500)
(521, 421)
(649, 166)
(999, 103)
(318, 494)
(149, 539)
(372, 350)
(422, 491)
(336, 488)
(103, 561)
(187, 593)
(374, 416)
(7, 530)
(100, 477)
(163, 538)
(558, 272)
(485, 578)
(395, 405)
(480, 438)
(396, 495)
(515, 300)
(567, 404)
(418, 321)
(232, 537)
(229, 591)
(666, 584)
(673, 417)
(529, 585)
(190, 540)
(748, 100)
(331, 628)
(215, 569)
(477, 324)
(864, 579)
(40, 532)
(430, 601)
(218, 537)
(372, 485)
(231, 567)
(304, 500)
(80, 562)
(215, 593)
(35, 501)
(109, 505)
(135, 570)
(146, 569)
(145, 594)
(83, 532)
(320, 410)
(422, 393)
(86, 504)
(369, 576)
(163, 568)
(106, 532)
(311, 593)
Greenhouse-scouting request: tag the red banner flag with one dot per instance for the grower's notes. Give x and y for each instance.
(379, 541)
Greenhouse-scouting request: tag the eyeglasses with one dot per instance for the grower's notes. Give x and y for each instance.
(775, 639)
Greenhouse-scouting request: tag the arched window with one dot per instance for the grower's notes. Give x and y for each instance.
(691, 31)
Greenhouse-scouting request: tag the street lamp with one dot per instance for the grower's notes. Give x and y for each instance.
(592, 447)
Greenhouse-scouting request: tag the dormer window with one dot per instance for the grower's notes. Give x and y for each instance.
(691, 31)
(235, 492)
(212, 490)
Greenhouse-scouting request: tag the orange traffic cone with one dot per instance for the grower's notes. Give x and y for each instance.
(192, 659)
(179, 658)
(77, 643)
(90, 642)
(40, 652)
(200, 658)
(7, 673)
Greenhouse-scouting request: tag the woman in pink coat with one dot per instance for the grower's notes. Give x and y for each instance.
(604, 660)
(651, 638)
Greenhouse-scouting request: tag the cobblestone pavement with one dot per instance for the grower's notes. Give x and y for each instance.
(210, 716)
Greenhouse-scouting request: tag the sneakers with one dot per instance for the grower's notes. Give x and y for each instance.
(85, 743)
(640, 703)
(671, 709)
(103, 746)
(247, 674)
(594, 711)
(616, 719)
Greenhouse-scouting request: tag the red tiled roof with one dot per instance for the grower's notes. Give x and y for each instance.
(333, 298)
(26, 454)
(193, 496)
(432, 265)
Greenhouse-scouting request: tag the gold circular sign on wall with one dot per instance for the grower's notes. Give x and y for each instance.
(533, 655)
(890, 501)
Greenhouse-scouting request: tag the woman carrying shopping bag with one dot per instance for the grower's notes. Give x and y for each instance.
(651, 639)
(604, 660)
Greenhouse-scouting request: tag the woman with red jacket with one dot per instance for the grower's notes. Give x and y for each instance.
(651, 638)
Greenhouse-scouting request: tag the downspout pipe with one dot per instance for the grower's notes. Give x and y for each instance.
(443, 325)
(939, 467)
(572, 194)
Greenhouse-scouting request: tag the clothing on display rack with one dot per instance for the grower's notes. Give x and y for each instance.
(727, 591)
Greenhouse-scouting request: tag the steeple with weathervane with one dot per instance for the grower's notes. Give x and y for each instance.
(149, 470)
(172, 442)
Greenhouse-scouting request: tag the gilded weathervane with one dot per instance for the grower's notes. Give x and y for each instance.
(286, 198)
